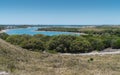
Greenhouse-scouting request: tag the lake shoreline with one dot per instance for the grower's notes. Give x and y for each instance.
(62, 31)
(34, 30)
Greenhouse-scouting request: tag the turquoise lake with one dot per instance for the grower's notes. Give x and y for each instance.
(32, 31)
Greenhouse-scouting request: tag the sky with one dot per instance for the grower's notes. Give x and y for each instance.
(60, 12)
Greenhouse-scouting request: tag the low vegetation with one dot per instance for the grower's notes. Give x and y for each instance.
(98, 38)
(64, 43)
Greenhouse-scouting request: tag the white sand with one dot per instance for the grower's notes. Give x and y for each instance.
(4, 73)
(2, 31)
(93, 53)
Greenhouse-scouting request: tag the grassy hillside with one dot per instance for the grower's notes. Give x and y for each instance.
(11, 55)
(22, 62)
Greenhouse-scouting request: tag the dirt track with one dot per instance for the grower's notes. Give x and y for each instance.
(3, 73)
(94, 53)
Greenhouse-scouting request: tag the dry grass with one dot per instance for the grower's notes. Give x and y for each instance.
(21, 62)
(54, 64)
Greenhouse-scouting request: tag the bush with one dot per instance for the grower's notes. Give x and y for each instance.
(33, 44)
(4, 36)
(116, 43)
(80, 46)
(14, 39)
(18, 39)
(97, 43)
(107, 40)
(61, 43)
(42, 37)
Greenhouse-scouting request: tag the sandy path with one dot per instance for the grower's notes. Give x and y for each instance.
(93, 53)
(4, 73)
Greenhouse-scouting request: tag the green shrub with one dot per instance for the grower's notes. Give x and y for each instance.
(80, 46)
(60, 43)
(116, 43)
(14, 39)
(33, 44)
(97, 43)
(17, 39)
(3, 36)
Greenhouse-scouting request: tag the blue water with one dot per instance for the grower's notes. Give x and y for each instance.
(32, 31)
